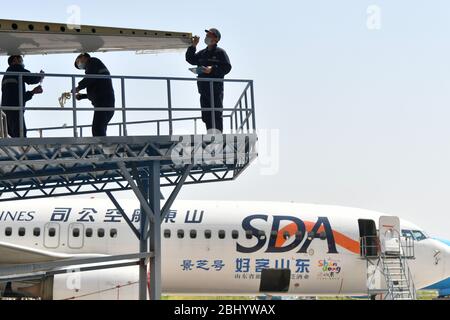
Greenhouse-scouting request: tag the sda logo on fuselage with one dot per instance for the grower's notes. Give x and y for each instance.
(297, 229)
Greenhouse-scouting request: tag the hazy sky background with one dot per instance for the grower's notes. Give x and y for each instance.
(364, 115)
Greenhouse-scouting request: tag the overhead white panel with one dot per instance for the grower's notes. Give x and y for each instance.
(35, 38)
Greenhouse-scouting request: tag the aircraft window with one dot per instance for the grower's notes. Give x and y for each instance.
(22, 232)
(323, 236)
(286, 235)
(299, 235)
(222, 234)
(76, 233)
(419, 235)
(180, 234)
(193, 234)
(208, 234)
(89, 233)
(414, 234)
(101, 233)
(52, 232)
(249, 235)
(407, 234)
(37, 232)
(261, 234)
(311, 236)
(167, 234)
(235, 234)
(113, 233)
(8, 232)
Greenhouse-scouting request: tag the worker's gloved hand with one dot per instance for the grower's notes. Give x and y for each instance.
(207, 70)
(79, 96)
(42, 72)
(195, 41)
(38, 90)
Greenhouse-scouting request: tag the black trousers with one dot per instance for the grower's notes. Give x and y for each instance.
(13, 121)
(100, 123)
(207, 116)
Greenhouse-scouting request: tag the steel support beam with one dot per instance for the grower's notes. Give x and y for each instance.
(144, 202)
(124, 215)
(175, 192)
(155, 232)
(143, 243)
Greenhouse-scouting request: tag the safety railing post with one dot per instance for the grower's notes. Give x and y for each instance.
(252, 94)
(247, 112)
(124, 110)
(236, 123)
(3, 124)
(22, 107)
(241, 115)
(213, 104)
(169, 102)
(74, 108)
(231, 123)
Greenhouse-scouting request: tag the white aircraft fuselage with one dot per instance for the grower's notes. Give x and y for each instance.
(212, 248)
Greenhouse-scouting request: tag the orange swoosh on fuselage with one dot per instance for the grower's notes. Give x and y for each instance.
(341, 239)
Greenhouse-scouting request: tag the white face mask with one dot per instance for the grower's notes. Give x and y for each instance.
(208, 41)
(82, 66)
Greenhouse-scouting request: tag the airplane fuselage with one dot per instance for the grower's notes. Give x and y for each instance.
(215, 248)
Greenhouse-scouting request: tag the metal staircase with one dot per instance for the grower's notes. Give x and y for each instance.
(389, 275)
(398, 277)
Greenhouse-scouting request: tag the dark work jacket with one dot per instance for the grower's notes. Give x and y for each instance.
(99, 91)
(10, 87)
(218, 59)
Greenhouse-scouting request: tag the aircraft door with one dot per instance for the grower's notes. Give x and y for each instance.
(369, 238)
(51, 235)
(76, 236)
(390, 235)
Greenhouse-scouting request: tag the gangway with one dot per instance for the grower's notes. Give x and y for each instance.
(62, 161)
(387, 255)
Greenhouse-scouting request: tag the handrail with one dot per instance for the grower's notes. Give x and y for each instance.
(245, 104)
(101, 76)
(406, 251)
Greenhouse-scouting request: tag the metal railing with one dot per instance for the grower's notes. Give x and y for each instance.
(241, 116)
(371, 249)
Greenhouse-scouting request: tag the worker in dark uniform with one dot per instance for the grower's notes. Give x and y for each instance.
(99, 91)
(213, 62)
(10, 94)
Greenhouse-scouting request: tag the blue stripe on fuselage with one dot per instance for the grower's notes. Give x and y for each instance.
(443, 286)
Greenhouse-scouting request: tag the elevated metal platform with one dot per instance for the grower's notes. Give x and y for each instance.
(143, 162)
(36, 168)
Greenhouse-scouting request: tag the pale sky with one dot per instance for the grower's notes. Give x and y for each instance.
(363, 114)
